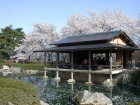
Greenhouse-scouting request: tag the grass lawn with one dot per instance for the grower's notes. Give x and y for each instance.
(29, 66)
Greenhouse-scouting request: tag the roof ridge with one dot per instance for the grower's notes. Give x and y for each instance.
(105, 32)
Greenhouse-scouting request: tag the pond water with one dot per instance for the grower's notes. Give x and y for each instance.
(61, 93)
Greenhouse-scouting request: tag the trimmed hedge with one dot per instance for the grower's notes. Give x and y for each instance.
(17, 97)
(1, 64)
(2, 60)
(29, 66)
(9, 61)
(16, 89)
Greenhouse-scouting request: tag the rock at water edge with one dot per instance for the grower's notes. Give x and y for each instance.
(6, 68)
(99, 98)
(81, 96)
(87, 98)
(43, 103)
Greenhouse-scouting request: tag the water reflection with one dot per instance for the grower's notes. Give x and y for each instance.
(110, 88)
(61, 93)
(57, 82)
(89, 87)
(71, 85)
(44, 81)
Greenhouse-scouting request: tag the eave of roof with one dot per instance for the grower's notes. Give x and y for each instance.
(106, 46)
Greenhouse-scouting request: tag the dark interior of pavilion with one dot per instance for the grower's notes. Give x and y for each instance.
(98, 60)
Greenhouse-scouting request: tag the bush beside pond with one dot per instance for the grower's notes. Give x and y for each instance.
(17, 97)
(2, 60)
(138, 64)
(135, 103)
(18, 92)
(136, 77)
(29, 66)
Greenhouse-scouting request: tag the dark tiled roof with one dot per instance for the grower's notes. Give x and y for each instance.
(77, 42)
(87, 47)
(103, 36)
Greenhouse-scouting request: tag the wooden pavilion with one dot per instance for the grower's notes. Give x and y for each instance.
(107, 53)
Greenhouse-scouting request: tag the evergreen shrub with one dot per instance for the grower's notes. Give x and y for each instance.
(17, 97)
(135, 103)
(2, 60)
(136, 77)
(16, 89)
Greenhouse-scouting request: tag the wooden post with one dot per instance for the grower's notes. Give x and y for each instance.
(107, 56)
(89, 68)
(44, 58)
(134, 58)
(72, 64)
(57, 78)
(57, 84)
(89, 56)
(111, 68)
(71, 80)
(45, 76)
(131, 59)
(51, 57)
(89, 88)
(71, 86)
(57, 73)
(45, 66)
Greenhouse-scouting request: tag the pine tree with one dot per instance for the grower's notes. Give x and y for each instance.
(9, 39)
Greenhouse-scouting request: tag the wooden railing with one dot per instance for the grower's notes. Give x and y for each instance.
(93, 67)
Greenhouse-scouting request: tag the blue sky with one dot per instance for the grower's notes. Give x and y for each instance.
(22, 13)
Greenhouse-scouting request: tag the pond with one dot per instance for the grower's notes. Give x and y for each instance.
(61, 93)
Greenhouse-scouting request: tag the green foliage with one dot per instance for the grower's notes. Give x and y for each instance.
(17, 88)
(10, 61)
(1, 74)
(136, 78)
(135, 103)
(17, 97)
(9, 39)
(137, 55)
(138, 64)
(137, 58)
(1, 64)
(28, 66)
(2, 60)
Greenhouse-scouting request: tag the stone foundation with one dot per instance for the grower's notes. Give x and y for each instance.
(96, 78)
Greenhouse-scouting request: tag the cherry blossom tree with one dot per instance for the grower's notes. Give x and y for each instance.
(100, 22)
(76, 24)
(116, 20)
(40, 38)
